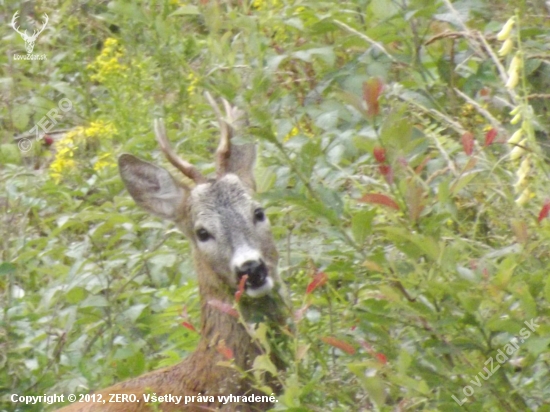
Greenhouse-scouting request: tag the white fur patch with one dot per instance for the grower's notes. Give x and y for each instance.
(262, 290)
(244, 254)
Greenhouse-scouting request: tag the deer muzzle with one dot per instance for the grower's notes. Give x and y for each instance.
(259, 282)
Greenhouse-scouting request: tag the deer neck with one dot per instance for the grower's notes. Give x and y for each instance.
(222, 326)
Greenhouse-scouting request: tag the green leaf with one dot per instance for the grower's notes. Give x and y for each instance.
(537, 345)
(133, 313)
(6, 268)
(374, 385)
(186, 11)
(20, 116)
(75, 295)
(405, 381)
(260, 333)
(413, 244)
(361, 225)
(397, 129)
(547, 289)
(325, 53)
(9, 153)
(263, 363)
(504, 325)
(327, 121)
(292, 392)
(94, 301)
(383, 9)
(463, 181)
(164, 260)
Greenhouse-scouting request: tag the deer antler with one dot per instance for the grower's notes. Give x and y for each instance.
(183, 166)
(227, 126)
(36, 33)
(13, 21)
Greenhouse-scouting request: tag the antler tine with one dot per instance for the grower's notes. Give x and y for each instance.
(234, 117)
(224, 148)
(36, 33)
(13, 21)
(183, 166)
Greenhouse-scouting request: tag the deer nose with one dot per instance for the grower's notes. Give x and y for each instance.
(256, 271)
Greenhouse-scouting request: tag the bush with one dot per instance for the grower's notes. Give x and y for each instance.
(403, 166)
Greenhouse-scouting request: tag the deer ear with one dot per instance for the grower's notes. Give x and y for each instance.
(152, 187)
(241, 162)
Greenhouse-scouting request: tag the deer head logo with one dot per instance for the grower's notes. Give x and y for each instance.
(29, 40)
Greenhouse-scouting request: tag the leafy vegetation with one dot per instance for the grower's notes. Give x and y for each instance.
(403, 165)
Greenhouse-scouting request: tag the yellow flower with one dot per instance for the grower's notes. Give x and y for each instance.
(518, 151)
(516, 137)
(103, 161)
(524, 168)
(516, 119)
(100, 128)
(193, 81)
(506, 47)
(291, 134)
(524, 197)
(265, 4)
(512, 80)
(504, 34)
(515, 65)
(68, 146)
(63, 160)
(107, 64)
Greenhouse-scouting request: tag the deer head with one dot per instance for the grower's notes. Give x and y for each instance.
(228, 229)
(29, 40)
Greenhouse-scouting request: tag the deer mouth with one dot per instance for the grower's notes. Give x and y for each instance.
(259, 291)
(258, 282)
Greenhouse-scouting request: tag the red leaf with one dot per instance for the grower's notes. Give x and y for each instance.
(224, 307)
(544, 211)
(187, 325)
(226, 352)
(384, 170)
(379, 199)
(379, 154)
(381, 358)
(387, 172)
(371, 93)
(318, 280)
(490, 137)
(240, 291)
(468, 143)
(344, 346)
(368, 347)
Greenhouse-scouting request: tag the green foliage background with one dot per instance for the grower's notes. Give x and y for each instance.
(425, 282)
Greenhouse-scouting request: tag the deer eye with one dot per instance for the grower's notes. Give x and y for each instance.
(259, 215)
(203, 235)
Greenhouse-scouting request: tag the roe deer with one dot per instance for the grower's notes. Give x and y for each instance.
(231, 238)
